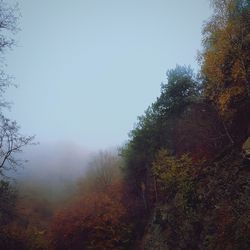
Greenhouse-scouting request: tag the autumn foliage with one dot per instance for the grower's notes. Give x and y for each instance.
(99, 220)
(179, 182)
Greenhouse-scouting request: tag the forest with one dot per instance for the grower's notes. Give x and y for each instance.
(181, 181)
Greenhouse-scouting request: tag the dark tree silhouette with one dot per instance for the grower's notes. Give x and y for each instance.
(11, 140)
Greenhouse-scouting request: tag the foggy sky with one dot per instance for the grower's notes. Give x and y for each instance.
(87, 68)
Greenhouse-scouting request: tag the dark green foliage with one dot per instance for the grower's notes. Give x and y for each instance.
(12, 242)
(7, 202)
(155, 129)
(9, 240)
(182, 89)
(184, 154)
(203, 206)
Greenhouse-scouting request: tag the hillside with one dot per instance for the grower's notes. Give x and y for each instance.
(181, 181)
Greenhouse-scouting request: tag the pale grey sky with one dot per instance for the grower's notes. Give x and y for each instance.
(87, 68)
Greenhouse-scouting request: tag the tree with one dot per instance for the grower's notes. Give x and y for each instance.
(11, 140)
(199, 132)
(103, 170)
(99, 220)
(155, 129)
(181, 89)
(7, 202)
(226, 59)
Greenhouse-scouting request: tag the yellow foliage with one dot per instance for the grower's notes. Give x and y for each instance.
(224, 63)
(228, 96)
(238, 74)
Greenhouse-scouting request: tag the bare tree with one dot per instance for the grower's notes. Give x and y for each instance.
(11, 140)
(103, 170)
(105, 167)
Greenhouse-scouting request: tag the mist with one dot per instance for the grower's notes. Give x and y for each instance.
(52, 169)
(129, 128)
